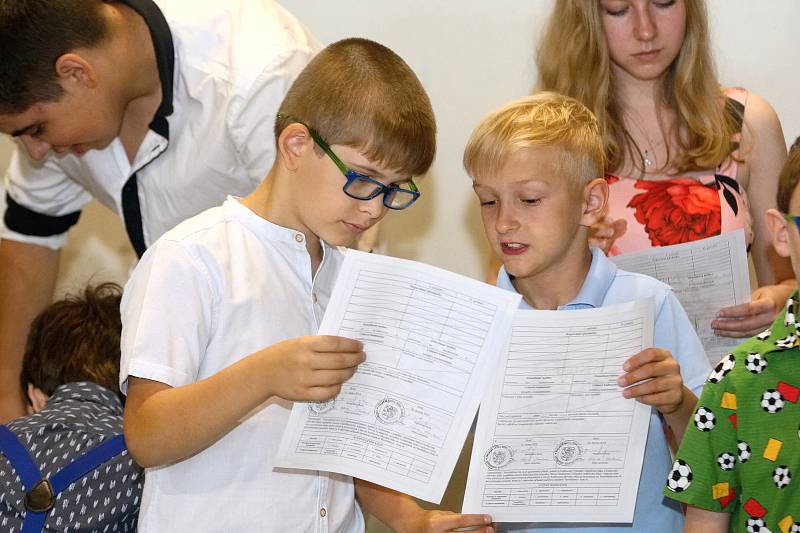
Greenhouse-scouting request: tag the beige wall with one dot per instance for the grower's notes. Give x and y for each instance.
(471, 59)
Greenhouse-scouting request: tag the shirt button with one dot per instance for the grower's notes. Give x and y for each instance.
(314, 297)
(323, 512)
(299, 237)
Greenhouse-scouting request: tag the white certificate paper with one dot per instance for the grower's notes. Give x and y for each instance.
(556, 441)
(432, 339)
(706, 276)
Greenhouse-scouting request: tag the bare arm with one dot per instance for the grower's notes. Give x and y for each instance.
(163, 424)
(764, 151)
(402, 514)
(27, 279)
(678, 419)
(702, 521)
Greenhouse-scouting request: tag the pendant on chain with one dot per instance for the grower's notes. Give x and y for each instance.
(646, 161)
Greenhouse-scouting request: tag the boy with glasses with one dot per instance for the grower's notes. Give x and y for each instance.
(219, 317)
(741, 473)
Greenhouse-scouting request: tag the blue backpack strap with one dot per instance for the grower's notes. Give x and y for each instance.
(87, 462)
(27, 470)
(19, 458)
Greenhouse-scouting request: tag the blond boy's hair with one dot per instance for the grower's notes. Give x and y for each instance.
(543, 120)
(789, 178)
(360, 94)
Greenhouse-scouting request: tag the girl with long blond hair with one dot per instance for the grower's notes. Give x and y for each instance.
(686, 159)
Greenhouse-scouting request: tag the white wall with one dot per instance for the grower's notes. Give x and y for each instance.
(472, 56)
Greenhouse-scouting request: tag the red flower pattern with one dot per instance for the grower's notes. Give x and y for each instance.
(677, 210)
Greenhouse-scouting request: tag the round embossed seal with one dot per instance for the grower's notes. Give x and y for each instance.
(389, 411)
(567, 452)
(320, 408)
(498, 456)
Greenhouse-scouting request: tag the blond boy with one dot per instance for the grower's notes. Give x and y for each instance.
(537, 167)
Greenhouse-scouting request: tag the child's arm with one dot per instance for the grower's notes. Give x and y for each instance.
(165, 424)
(663, 387)
(401, 513)
(702, 521)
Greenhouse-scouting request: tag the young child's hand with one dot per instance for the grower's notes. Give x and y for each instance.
(442, 521)
(311, 368)
(660, 372)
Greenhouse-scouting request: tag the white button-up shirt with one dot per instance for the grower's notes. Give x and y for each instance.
(218, 287)
(233, 61)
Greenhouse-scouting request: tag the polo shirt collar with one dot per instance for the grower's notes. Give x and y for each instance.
(165, 58)
(784, 334)
(593, 291)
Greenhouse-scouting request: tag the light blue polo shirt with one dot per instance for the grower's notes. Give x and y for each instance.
(606, 285)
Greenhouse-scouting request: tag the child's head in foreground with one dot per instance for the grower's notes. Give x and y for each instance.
(537, 169)
(784, 223)
(74, 339)
(354, 129)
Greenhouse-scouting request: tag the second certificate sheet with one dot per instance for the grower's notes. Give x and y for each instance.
(556, 441)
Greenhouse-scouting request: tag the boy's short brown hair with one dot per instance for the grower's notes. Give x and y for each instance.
(542, 120)
(789, 178)
(76, 339)
(360, 94)
(33, 35)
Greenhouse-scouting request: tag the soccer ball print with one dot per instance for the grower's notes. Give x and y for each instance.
(722, 369)
(744, 451)
(756, 525)
(782, 476)
(680, 477)
(704, 419)
(772, 401)
(789, 341)
(754, 363)
(726, 461)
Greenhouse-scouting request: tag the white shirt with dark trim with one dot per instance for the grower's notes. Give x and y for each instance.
(77, 417)
(213, 290)
(606, 285)
(234, 62)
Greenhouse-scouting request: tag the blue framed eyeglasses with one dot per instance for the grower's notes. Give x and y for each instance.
(361, 186)
(793, 218)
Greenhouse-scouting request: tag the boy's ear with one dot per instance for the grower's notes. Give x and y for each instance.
(779, 230)
(293, 143)
(595, 200)
(37, 397)
(74, 70)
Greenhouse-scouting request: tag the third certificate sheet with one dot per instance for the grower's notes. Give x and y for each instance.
(706, 276)
(556, 441)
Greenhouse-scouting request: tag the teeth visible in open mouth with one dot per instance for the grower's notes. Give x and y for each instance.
(514, 245)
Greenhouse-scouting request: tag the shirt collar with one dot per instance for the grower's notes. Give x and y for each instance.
(784, 333)
(593, 291)
(86, 391)
(165, 58)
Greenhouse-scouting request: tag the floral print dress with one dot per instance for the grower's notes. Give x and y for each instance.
(674, 210)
